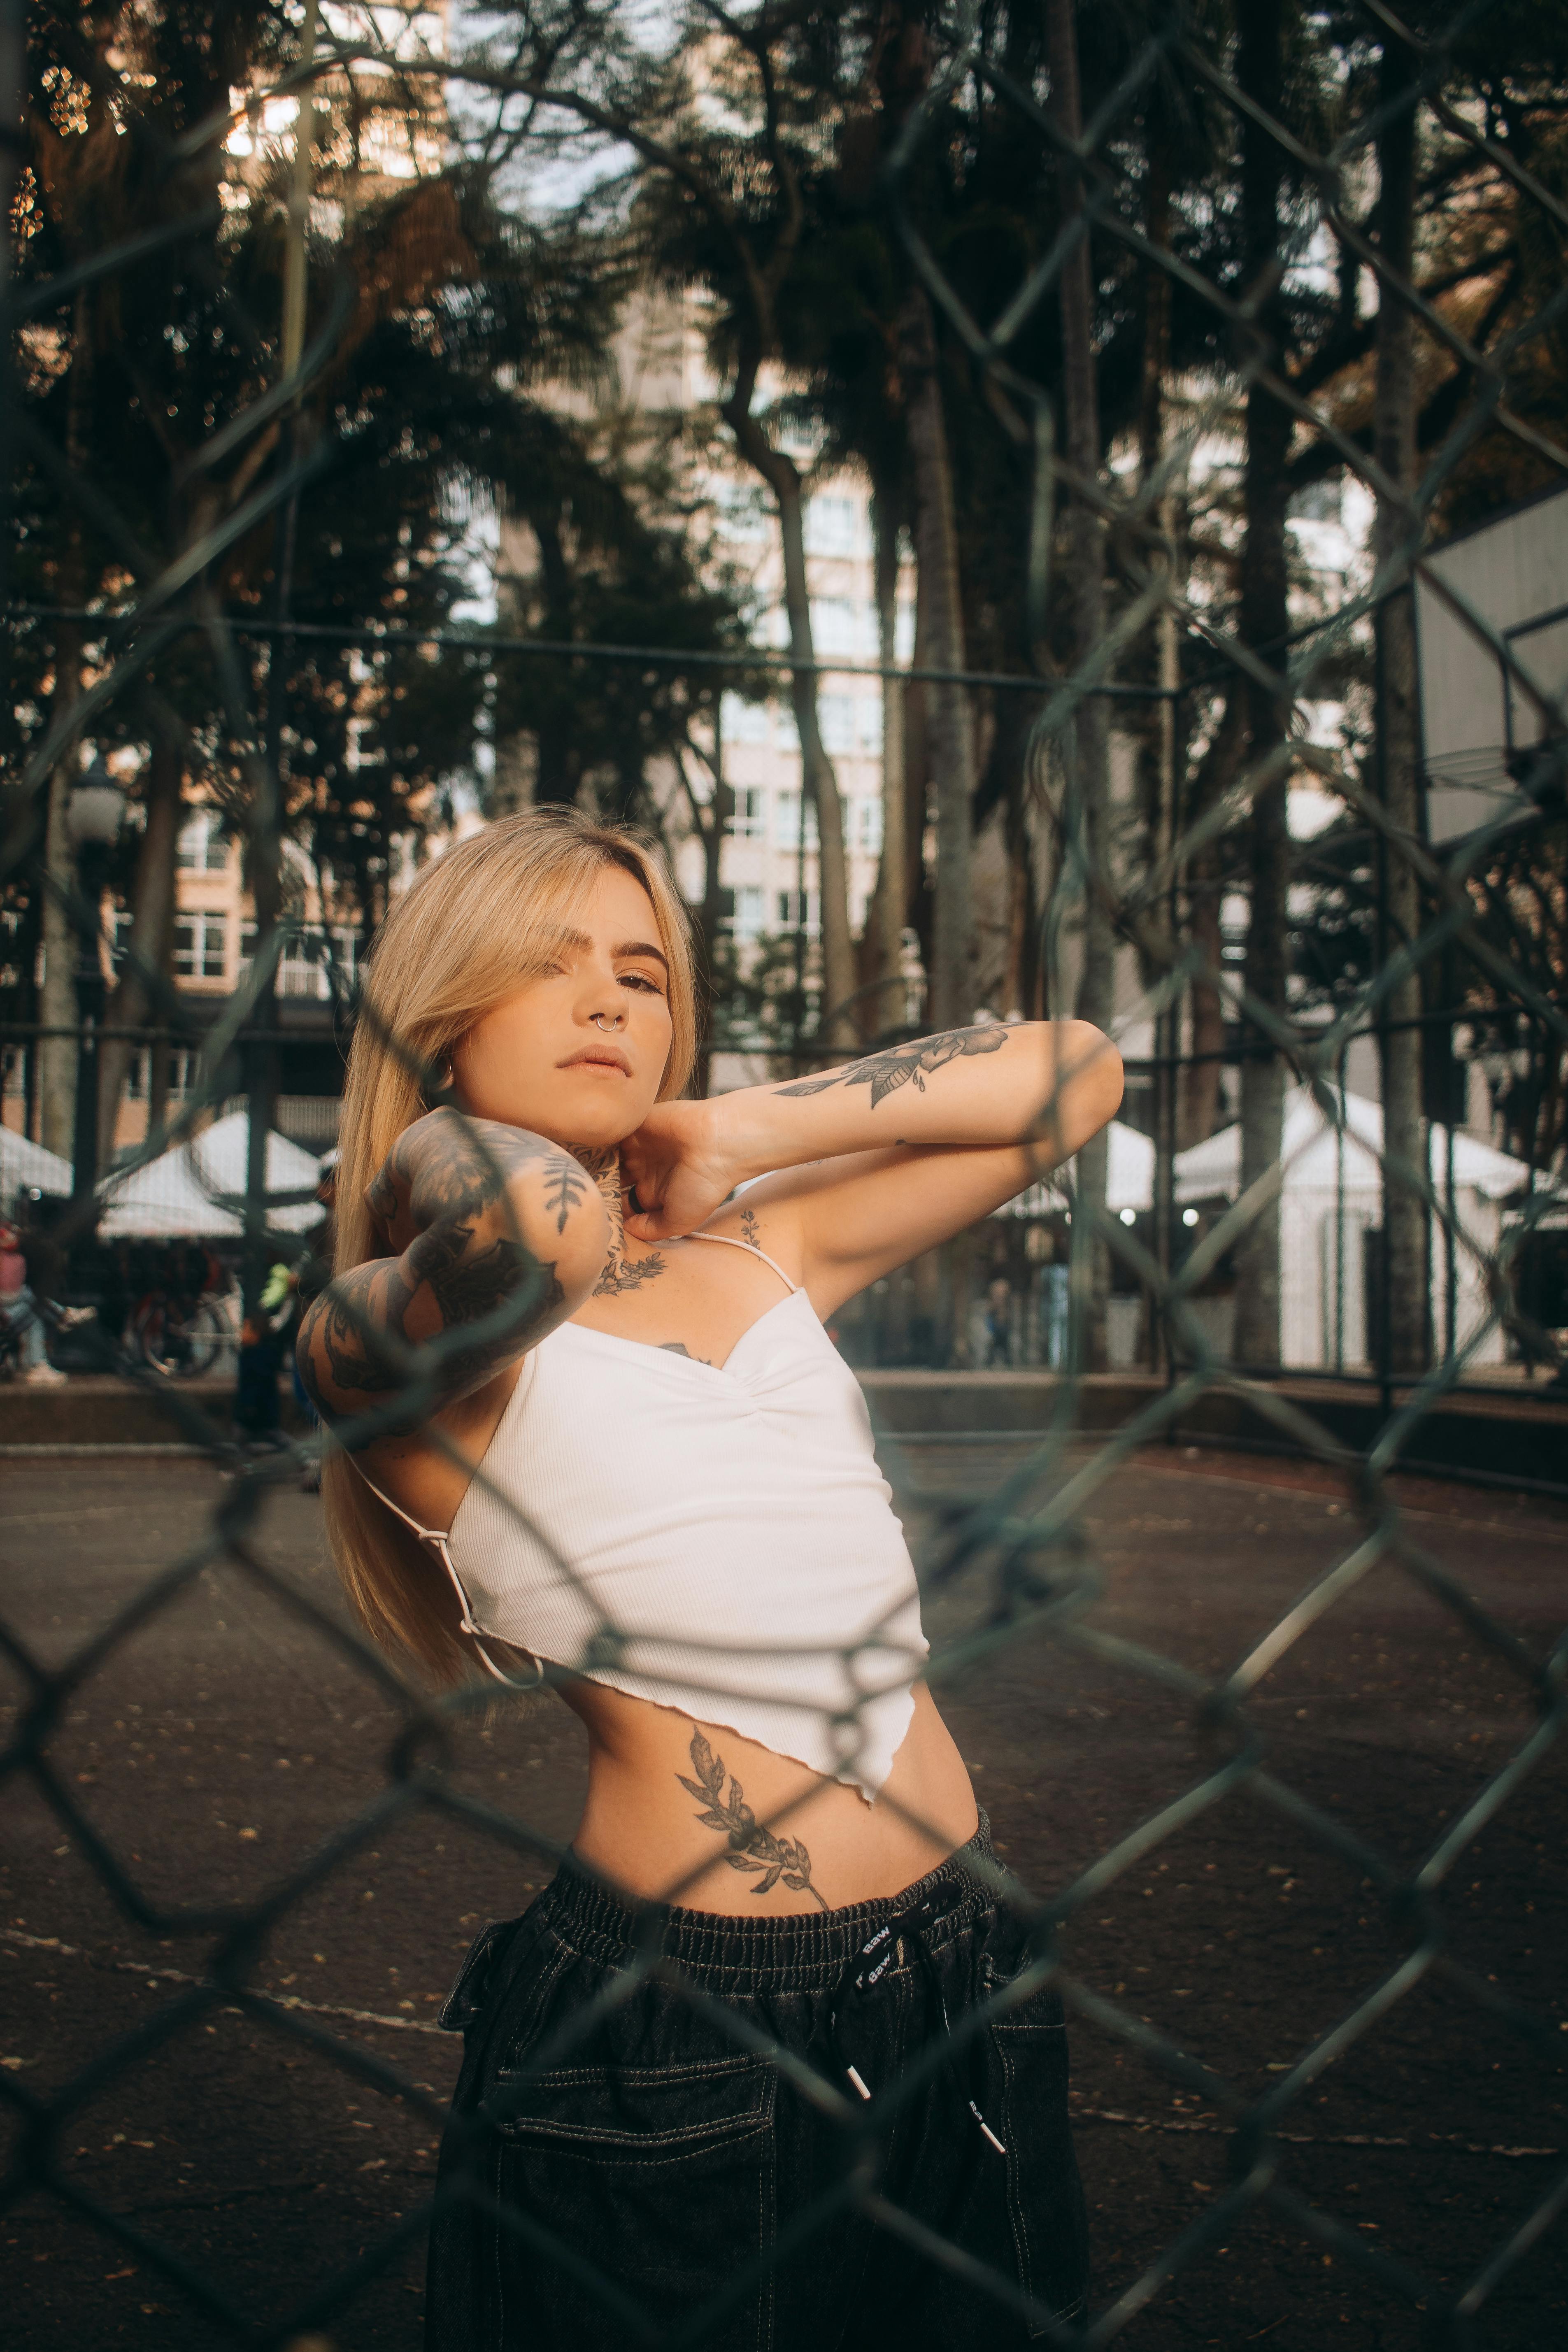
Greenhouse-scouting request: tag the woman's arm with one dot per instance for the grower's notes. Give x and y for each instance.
(494, 1236)
(882, 1158)
(1046, 1086)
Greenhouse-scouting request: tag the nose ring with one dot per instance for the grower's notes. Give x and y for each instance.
(608, 1020)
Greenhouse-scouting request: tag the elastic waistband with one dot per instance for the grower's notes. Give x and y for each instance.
(800, 1953)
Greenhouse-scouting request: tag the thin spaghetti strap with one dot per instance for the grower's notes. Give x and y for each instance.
(441, 1544)
(751, 1247)
(425, 1535)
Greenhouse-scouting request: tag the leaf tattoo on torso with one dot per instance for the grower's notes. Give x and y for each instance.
(752, 1846)
(901, 1065)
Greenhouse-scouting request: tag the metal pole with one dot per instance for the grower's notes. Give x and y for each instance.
(12, 150)
(261, 1053)
(91, 997)
(1386, 1239)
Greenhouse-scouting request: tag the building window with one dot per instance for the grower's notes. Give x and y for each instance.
(835, 625)
(200, 946)
(751, 805)
(185, 1072)
(836, 717)
(787, 822)
(865, 825)
(832, 527)
(751, 907)
(747, 722)
(201, 848)
(790, 911)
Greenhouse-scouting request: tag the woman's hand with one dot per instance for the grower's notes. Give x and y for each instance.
(676, 1170)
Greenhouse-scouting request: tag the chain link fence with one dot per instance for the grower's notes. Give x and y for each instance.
(1424, 1272)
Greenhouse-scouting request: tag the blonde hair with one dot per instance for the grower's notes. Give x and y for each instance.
(479, 923)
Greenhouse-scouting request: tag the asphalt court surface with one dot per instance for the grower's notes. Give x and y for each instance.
(224, 1738)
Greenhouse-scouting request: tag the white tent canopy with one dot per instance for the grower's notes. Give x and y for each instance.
(195, 1187)
(23, 1164)
(1129, 1184)
(1311, 1156)
(1331, 1204)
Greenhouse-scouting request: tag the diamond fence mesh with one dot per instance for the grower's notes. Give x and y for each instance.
(1010, 1526)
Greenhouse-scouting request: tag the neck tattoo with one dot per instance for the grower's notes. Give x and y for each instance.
(620, 1273)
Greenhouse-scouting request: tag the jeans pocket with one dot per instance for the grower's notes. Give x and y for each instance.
(466, 1998)
(1045, 2196)
(656, 2182)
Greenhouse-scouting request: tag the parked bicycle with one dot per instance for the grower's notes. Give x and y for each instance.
(182, 1326)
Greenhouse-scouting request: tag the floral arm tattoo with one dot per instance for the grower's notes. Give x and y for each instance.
(462, 1300)
(749, 1846)
(902, 1065)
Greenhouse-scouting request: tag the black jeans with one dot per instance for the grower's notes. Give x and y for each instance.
(659, 2136)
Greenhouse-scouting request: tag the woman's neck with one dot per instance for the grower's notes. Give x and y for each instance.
(619, 1274)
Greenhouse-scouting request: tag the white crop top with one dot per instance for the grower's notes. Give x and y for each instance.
(716, 1538)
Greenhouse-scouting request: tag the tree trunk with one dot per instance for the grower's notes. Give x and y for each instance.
(1404, 1212)
(950, 731)
(1085, 753)
(1197, 1110)
(153, 916)
(57, 998)
(1262, 623)
(711, 822)
(886, 1008)
(819, 779)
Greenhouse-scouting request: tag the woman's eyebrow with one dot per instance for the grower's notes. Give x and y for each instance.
(642, 948)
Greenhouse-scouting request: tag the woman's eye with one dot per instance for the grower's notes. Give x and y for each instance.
(640, 980)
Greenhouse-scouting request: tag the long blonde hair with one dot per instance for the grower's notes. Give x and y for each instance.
(479, 923)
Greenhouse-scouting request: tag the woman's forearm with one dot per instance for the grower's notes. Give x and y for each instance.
(496, 1234)
(1047, 1084)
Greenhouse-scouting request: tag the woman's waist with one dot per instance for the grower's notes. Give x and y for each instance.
(729, 1613)
(702, 1816)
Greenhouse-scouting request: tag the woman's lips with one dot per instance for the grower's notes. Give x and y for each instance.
(605, 1057)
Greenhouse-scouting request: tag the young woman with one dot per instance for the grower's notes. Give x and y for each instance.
(738, 2073)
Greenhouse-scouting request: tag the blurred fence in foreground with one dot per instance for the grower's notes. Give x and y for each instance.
(1467, 1249)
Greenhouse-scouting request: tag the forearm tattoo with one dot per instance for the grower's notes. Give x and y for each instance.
(750, 1847)
(489, 1294)
(901, 1065)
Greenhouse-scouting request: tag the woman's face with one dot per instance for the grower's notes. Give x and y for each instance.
(578, 1054)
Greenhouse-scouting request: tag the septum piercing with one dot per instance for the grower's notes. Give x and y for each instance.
(608, 1020)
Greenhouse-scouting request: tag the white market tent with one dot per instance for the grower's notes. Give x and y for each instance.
(1129, 1184)
(1331, 1198)
(195, 1187)
(23, 1164)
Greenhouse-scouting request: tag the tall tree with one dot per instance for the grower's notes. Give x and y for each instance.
(1263, 625)
(1406, 1285)
(1087, 750)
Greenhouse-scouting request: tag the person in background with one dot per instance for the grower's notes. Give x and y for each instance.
(312, 1276)
(19, 1307)
(999, 1321)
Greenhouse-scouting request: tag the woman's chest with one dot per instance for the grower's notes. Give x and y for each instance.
(677, 1301)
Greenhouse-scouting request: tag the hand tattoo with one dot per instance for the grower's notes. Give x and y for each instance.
(898, 1065)
(750, 1847)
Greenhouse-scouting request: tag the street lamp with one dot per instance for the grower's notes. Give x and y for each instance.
(93, 814)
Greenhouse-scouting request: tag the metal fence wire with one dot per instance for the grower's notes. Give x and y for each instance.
(1007, 1553)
